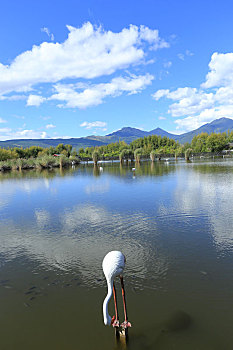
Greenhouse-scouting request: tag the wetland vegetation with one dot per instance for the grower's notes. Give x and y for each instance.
(150, 147)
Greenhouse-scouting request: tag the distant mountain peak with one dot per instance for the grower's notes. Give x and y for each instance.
(127, 131)
(127, 134)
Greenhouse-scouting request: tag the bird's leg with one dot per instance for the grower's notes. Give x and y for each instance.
(126, 323)
(115, 320)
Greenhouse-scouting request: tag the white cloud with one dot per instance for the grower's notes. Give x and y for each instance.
(13, 98)
(4, 130)
(160, 93)
(2, 120)
(50, 126)
(221, 71)
(181, 56)
(152, 36)
(47, 31)
(94, 94)
(162, 118)
(9, 134)
(206, 116)
(91, 125)
(213, 100)
(88, 52)
(35, 100)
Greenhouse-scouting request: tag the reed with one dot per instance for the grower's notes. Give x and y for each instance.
(95, 157)
(42, 162)
(152, 155)
(137, 154)
(188, 153)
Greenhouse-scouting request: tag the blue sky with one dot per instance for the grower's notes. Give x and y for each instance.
(76, 68)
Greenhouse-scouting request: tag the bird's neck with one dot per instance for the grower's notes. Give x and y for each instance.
(107, 317)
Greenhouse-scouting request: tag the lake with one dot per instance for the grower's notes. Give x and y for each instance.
(172, 220)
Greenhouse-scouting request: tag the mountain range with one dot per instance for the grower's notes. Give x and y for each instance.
(126, 134)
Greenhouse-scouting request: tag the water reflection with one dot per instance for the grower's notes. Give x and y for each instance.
(172, 221)
(73, 248)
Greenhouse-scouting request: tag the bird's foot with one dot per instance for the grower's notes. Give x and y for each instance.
(126, 324)
(114, 322)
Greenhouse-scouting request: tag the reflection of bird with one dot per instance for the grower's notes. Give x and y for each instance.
(113, 266)
(101, 169)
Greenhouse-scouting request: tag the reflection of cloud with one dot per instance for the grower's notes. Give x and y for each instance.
(97, 187)
(28, 185)
(3, 202)
(10, 187)
(86, 234)
(204, 193)
(42, 217)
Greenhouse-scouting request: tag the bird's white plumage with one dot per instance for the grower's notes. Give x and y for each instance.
(113, 265)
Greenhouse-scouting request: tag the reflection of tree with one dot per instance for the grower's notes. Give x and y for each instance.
(35, 173)
(145, 168)
(96, 171)
(154, 169)
(212, 167)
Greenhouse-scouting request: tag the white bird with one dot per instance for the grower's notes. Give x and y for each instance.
(133, 169)
(113, 266)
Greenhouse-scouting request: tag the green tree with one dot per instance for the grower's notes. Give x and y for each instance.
(216, 142)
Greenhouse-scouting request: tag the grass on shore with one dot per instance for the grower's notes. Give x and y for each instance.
(44, 162)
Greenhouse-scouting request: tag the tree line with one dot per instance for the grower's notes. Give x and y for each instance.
(154, 146)
(148, 146)
(35, 151)
(215, 142)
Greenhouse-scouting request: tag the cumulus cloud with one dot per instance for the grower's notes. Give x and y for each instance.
(35, 100)
(152, 36)
(10, 134)
(221, 71)
(212, 100)
(88, 52)
(94, 94)
(91, 125)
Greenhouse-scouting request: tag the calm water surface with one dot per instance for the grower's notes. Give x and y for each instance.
(174, 223)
